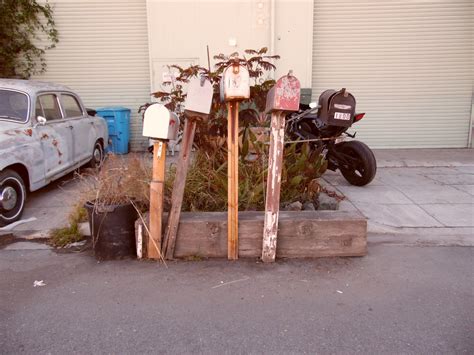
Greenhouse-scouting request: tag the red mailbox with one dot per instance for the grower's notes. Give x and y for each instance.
(284, 95)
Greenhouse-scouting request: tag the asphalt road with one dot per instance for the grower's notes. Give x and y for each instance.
(398, 299)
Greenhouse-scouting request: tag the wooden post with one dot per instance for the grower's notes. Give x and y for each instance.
(284, 97)
(272, 203)
(171, 231)
(233, 180)
(156, 199)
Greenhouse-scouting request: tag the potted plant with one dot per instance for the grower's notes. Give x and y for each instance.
(114, 196)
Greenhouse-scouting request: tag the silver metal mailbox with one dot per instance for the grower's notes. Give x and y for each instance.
(199, 97)
(160, 123)
(235, 83)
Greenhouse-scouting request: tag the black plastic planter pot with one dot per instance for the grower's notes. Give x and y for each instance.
(113, 230)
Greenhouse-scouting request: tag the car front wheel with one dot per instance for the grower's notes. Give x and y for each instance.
(12, 197)
(97, 156)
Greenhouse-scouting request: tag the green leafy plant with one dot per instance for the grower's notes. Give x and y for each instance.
(206, 184)
(61, 237)
(23, 24)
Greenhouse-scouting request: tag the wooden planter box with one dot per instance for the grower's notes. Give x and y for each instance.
(301, 234)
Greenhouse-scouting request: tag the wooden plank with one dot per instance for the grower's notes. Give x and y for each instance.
(302, 234)
(233, 180)
(156, 199)
(171, 230)
(272, 202)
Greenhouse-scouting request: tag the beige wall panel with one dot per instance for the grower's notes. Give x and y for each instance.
(294, 39)
(180, 30)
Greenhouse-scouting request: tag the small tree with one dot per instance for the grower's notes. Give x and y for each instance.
(22, 23)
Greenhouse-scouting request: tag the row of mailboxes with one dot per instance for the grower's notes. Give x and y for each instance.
(159, 123)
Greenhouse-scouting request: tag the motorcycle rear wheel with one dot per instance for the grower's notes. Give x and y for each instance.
(363, 165)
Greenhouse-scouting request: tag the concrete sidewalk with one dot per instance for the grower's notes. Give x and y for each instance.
(426, 194)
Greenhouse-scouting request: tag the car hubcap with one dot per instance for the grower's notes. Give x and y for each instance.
(97, 155)
(8, 198)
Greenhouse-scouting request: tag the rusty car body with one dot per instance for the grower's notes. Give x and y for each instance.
(45, 133)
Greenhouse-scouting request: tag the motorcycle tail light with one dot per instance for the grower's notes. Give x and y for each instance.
(359, 116)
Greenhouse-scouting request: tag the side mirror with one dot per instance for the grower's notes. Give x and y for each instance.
(41, 120)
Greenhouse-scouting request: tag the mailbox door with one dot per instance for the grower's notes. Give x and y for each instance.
(156, 122)
(199, 97)
(341, 109)
(235, 83)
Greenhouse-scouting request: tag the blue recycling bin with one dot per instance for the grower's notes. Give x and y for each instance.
(118, 122)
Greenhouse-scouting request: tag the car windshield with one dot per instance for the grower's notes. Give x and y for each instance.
(13, 106)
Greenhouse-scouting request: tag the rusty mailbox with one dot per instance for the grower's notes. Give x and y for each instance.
(199, 97)
(284, 97)
(160, 123)
(235, 83)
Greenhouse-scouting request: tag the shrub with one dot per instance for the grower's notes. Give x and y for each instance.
(22, 22)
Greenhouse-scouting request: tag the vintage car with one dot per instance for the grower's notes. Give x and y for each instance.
(45, 133)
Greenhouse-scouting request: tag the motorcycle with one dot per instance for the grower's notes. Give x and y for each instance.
(324, 126)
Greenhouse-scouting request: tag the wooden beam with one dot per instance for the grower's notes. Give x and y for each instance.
(171, 230)
(302, 234)
(156, 199)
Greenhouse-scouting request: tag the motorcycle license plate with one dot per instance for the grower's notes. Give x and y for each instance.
(345, 116)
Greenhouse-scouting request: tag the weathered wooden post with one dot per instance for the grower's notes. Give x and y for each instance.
(284, 97)
(197, 106)
(234, 87)
(162, 125)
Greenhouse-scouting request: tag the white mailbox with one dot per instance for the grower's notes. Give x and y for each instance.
(160, 123)
(199, 97)
(235, 83)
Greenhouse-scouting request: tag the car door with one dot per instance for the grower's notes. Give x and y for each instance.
(55, 136)
(84, 132)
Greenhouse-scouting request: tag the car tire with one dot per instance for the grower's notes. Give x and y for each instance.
(12, 197)
(365, 163)
(97, 156)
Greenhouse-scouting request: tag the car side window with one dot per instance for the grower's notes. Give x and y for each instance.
(70, 106)
(39, 109)
(49, 103)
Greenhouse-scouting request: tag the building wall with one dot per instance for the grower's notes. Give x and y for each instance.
(179, 32)
(408, 62)
(103, 54)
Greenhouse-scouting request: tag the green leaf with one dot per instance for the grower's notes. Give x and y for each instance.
(296, 180)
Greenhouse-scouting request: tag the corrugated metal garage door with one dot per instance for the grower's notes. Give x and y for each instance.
(103, 54)
(409, 64)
